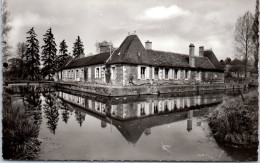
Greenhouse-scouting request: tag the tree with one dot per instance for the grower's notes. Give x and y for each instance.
(21, 50)
(244, 45)
(49, 54)
(60, 59)
(104, 46)
(227, 61)
(256, 35)
(32, 57)
(6, 28)
(78, 48)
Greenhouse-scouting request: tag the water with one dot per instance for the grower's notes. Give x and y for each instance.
(80, 126)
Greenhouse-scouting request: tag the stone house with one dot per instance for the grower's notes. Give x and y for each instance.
(134, 64)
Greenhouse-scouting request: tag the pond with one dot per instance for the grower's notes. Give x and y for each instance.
(170, 127)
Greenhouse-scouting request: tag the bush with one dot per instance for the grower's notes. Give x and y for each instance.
(19, 131)
(236, 121)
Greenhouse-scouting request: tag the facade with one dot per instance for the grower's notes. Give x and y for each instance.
(134, 64)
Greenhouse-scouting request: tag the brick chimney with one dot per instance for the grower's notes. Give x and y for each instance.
(148, 45)
(191, 55)
(201, 51)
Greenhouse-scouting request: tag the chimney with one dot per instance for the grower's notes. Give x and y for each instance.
(104, 47)
(148, 45)
(201, 51)
(191, 55)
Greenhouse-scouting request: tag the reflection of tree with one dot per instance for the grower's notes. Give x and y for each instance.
(51, 110)
(80, 117)
(32, 103)
(65, 112)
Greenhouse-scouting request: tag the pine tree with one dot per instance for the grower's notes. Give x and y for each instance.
(78, 48)
(32, 56)
(48, 54)
(60, 59)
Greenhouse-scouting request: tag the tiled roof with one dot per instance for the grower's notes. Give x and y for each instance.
(161, 58)
(90, 60)
(212, 57)
(131, 51)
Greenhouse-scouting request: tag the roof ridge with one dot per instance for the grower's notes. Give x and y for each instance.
(175, 53)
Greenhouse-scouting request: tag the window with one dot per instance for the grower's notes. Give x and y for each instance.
(198, 75)
(186, 74)
(143, 72)
(175, 73)
(166, 73)
(97, 72)
(113, 72)
(156, 73)
(82, 73)
(77, 73)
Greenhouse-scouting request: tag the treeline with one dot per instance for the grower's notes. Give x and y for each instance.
(30, 64)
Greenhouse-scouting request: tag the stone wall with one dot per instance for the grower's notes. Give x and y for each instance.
(130, 77)
(136, 90)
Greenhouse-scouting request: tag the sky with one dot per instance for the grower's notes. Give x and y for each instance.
(171, 25)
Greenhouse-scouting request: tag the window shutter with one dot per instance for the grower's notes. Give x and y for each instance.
(189, 74)
(170, 73)
(163, 73)
(95, 72)
(160, 73)
(138, 110)
(147, 72)
(99, 72)
(152, 72)
(138, 72)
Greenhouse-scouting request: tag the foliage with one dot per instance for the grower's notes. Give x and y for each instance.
(21, 50)
(236, 121)
(60, 59)
(16, 68)
(20, 130)
(78, 48)
(243, 37)
(32, 57)
(6, 28)
(48, 54)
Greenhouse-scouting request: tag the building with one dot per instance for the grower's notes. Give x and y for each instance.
(238, 71)
(134, 64)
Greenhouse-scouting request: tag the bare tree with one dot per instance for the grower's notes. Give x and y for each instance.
(256, 35)
(244, 45)
(21, 49)
(6, 28)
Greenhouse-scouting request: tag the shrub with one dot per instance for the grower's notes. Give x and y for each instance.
(19, 131)
(236, 121)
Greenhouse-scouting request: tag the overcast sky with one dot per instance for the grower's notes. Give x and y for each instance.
(170, 24)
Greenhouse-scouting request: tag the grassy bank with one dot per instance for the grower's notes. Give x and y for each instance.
(19, 130)
(235, 122)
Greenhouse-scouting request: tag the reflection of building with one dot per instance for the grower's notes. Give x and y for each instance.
(103, 124)
(147, 131)
(146, 112)
(148, 106)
